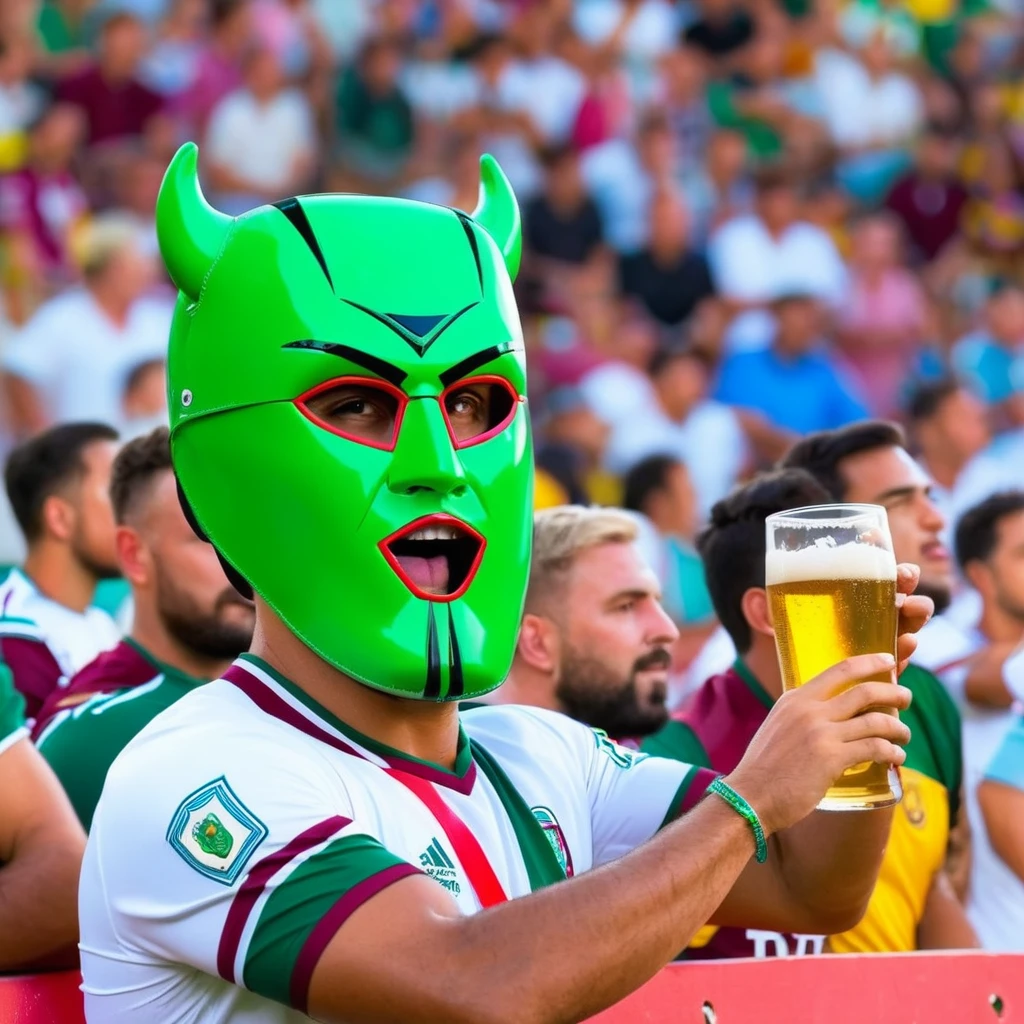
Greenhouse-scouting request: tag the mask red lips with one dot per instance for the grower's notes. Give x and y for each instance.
(435, 556)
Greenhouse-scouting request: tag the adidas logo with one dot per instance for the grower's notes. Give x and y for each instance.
(439, 866)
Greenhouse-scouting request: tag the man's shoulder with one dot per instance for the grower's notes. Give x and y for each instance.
(121, 668)
(512, 723)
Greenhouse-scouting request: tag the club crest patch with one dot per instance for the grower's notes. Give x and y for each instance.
(215, 833)
(555, 836)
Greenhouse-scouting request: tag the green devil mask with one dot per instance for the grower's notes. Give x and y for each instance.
(348, 426)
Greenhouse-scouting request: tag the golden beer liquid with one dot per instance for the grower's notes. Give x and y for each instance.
(817, 624)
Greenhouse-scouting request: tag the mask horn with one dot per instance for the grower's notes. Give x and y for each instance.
(497, 212)
(189, 230)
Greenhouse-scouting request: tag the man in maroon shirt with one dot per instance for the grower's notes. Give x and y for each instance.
(117, 106)
(928, 200)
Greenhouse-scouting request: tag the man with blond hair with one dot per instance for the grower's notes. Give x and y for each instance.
(594, 641)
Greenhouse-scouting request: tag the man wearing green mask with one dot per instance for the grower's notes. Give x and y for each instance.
(317, 833)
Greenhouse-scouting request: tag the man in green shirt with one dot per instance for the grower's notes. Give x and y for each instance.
(189, 625)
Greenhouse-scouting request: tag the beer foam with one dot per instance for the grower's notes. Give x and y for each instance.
(844, 562)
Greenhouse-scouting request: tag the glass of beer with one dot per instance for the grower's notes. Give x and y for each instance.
(831, 579)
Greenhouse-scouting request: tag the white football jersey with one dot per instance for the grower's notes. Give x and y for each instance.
(241, 828)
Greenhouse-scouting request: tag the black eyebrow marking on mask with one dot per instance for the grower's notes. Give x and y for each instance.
(467, 226)
(470, 363)
(293, 210)
(456, 685)
(385, 370)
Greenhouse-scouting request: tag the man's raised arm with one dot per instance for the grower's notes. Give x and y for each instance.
(408, 954)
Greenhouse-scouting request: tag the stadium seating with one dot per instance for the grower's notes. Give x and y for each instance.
(42, 999)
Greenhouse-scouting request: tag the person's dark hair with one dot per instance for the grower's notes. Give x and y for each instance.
(666, 355)
(976, 531)
(556, 153)
(222, 11)
(928, 397)
(136, 467)
(44, 465)
(647, 476)
(820, 454)
(732, 545)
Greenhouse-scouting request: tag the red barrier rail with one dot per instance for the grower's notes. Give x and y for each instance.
(42, 999)
(913, 988)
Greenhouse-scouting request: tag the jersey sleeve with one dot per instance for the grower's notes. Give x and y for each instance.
(633, 795)
(238, 864)
(1007, 766)
(35, 670)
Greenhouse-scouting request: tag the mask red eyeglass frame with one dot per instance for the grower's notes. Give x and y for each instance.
(402, 400)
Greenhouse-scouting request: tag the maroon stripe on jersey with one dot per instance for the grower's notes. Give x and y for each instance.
(255, 883)
(35, 670)
(121, 668)
(268, 701)
(702, 778)
(327, 927)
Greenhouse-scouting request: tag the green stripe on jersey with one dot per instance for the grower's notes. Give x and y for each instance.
(542, 867)
(297, 905)
(676, 740)
(935, 742)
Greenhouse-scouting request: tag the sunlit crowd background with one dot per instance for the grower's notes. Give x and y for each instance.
(744, 220)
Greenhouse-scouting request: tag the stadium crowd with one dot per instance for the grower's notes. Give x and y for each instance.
(773, 257)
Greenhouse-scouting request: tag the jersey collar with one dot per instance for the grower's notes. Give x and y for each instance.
(300, 710)
(167, 671)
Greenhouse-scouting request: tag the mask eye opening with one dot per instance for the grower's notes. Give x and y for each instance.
(385, 399)
(504, 402)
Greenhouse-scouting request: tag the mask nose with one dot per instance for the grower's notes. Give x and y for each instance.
(424, 459)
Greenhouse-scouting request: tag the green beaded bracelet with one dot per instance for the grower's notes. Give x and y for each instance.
(745, 811)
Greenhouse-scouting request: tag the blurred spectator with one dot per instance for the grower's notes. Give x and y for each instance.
(61, 25)
(561, 224)
(669, 277)
(756, 257)
(57, 484)
(622, 179)
(683, 96)
(795, 382)
(989, 542)
(594, 641)
(42, 203)
(949, 428)
(260, 140)
(572, 449)
(985, 358)
(775, 114)
(882, 321)
(69, 362)
(116, 104)
(219, 64)
(375, 126)
(171, 66)
(993, 218)
(684, 421)
(456, 181)
(189, 623)
(1001, 798)
(722, 29)
(872, 111)
(720, 188)
(659, 488)
(21, 100)
(928, 199)
(144, 403)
